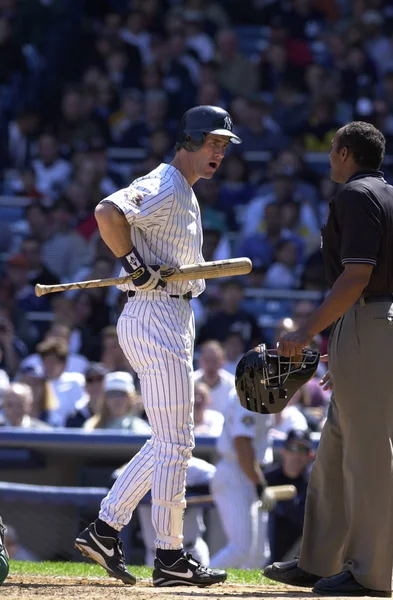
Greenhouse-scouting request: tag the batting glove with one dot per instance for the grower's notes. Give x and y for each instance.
(145, 277)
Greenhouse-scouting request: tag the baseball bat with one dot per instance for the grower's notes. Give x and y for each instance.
(277, 492)
(207, 270)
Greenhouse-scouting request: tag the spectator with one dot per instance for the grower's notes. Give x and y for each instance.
(286, 520)
(91, 403)
(45, 402)
(234, 348)
(284, 271)
(75, 363)
(12, 348)
(51, 171)
(285, 187)
(210, 372)
(68, 387)
(258, 132)
(314, 402)
(128, 127)
(17, 405)
(230, 317)
(235, 71)
(64, 251)
(19, 138)
(236, 189)
(31, 249)
(262, 245)
(207, 422)
(242, 447)
(112, 356)
(73, 126)
(17, 274)
(119, 407)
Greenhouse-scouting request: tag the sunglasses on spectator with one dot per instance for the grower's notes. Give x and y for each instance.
(298, 448)
(94, 378)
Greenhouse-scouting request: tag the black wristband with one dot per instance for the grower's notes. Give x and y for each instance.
(133, 261)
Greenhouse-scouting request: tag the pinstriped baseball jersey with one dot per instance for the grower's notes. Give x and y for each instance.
(165, 223)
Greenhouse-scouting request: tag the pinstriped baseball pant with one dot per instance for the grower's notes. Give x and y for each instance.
(245, 526)
(156, 333)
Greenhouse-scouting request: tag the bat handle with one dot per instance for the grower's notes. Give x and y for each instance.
(40, 290)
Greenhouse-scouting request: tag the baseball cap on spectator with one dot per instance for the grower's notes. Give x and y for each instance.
(298, 438)
(119, 381)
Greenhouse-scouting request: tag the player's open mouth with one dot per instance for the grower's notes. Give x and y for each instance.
(213, 164)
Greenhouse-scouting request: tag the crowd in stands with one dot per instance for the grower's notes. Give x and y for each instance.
(91, 94)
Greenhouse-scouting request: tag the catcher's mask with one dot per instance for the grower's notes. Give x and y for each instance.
(266, 381)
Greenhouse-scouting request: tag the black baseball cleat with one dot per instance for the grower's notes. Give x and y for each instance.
(290, 573)
(186, 571)
(106, 551)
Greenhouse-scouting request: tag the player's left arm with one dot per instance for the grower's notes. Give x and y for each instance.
(247, 460)
(359, 219)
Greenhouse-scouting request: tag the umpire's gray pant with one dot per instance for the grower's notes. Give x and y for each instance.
(349, 508)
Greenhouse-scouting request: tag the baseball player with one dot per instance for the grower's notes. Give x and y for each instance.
(199, 474)
(243, 446)
(153, 222)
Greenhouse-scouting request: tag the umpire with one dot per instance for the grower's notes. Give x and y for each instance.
(347, 546)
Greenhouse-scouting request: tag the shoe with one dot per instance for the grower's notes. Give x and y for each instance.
(288, 572)
(4, 558)
(106, 551)
(186, 571)
(344, 584)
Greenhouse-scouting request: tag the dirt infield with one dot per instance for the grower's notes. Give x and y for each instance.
(89, 588)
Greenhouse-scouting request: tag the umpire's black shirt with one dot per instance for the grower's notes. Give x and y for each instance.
(359, 229)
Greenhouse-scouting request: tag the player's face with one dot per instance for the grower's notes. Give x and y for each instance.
(336, 161)
(209, 157)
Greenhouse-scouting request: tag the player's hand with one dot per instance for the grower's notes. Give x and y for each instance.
(268, 501)
(150, 279)
(293, 342)
(326, 382)
(145, 277)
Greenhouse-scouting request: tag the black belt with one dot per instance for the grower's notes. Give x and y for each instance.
(375, 298)
(188, 296)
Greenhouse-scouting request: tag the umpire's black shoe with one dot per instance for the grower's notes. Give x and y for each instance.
(289, 573)
(186, 571)
(106, 551)
(344, 584)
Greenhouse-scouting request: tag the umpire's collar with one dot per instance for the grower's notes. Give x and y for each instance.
(369, 173)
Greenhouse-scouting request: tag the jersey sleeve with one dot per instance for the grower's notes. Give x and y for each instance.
(244, 423)
(359, 218)
(142, 206)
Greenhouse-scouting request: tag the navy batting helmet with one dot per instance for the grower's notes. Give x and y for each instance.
(266, 381)
(200, 120)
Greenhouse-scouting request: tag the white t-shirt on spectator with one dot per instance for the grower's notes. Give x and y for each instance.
(292, 418)
(51, 179)
(211, 425)
(220, 393)
(68, 388)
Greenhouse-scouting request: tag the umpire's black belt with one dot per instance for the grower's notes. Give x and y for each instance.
(188, 296)
(375, 298)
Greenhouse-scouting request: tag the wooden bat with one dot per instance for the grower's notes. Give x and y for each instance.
(207, 270)
(277, 492)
